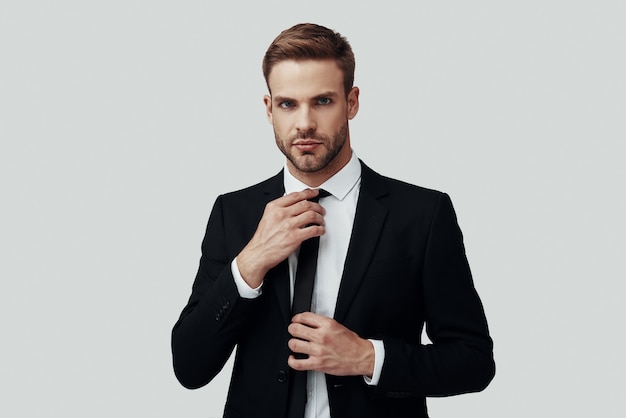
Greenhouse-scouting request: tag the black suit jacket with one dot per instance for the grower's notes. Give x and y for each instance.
(405, 268)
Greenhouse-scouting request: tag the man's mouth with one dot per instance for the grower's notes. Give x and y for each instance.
(306, 145)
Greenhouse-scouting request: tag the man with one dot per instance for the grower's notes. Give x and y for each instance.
(390, 259)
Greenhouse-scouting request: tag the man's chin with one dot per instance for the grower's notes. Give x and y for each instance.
(308, 163)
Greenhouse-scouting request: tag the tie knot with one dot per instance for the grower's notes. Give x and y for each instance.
(322, 193)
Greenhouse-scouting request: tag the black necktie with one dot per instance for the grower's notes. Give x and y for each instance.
(302, 294)
(305, 273)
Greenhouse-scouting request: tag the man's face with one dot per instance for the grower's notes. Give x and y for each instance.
(309, 111)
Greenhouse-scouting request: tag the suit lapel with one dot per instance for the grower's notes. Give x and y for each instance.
(368, 223)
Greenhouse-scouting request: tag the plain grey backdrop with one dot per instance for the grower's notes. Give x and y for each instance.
(121, 121)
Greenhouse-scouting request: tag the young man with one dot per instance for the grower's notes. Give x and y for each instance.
(390, 260)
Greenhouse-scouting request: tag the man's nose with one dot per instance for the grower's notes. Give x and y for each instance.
(306, 120)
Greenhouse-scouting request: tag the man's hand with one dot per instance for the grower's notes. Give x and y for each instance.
(286, 222)
(331, 347)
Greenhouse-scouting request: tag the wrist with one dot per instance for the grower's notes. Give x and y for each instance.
(250, 270)
(368, 359)
(379, 359)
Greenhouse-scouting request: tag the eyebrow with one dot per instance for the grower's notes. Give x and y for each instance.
(317, 96)
(327, 94)
(281, 99)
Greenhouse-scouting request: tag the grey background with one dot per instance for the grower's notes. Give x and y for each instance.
(121, 121)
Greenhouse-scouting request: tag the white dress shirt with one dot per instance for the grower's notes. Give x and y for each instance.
(344, 188)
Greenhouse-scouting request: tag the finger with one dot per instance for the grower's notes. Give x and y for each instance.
(301, 332)
(295, 197)
(307, 206)
(310, 319)
(297, 345)
(307, 219)
(301, 213)
(299, 364)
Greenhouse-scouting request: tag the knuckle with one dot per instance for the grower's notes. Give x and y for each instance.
(304, 206)
(316, 362)
(311, 216)
(303, 332)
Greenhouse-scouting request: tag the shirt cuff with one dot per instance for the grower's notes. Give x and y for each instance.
(379, 359)
(245, 291)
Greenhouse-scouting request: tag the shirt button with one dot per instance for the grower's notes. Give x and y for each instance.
(282, 376)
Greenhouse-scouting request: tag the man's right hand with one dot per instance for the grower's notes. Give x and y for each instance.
(286, 222)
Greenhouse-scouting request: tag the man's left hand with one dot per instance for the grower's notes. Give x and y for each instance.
(331, 347)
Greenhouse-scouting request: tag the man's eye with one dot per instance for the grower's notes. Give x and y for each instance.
(286, 105)
(323, 101)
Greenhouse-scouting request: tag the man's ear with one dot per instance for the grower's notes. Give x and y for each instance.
(353, 102)
(268, 108)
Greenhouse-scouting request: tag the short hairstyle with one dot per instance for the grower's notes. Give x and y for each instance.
(311, 41)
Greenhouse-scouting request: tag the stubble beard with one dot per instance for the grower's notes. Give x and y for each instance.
(308, 162)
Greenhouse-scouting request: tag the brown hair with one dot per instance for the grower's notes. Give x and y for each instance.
(310, 41)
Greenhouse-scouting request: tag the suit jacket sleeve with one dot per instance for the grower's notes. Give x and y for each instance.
(209, 326)
(460, 358)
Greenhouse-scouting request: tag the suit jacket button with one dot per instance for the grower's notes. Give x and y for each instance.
(282, 376)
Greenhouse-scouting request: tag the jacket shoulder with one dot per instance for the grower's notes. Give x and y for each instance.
(272, 186)
(380, 186)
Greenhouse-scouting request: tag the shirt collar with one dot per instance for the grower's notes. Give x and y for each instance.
(339, 185)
